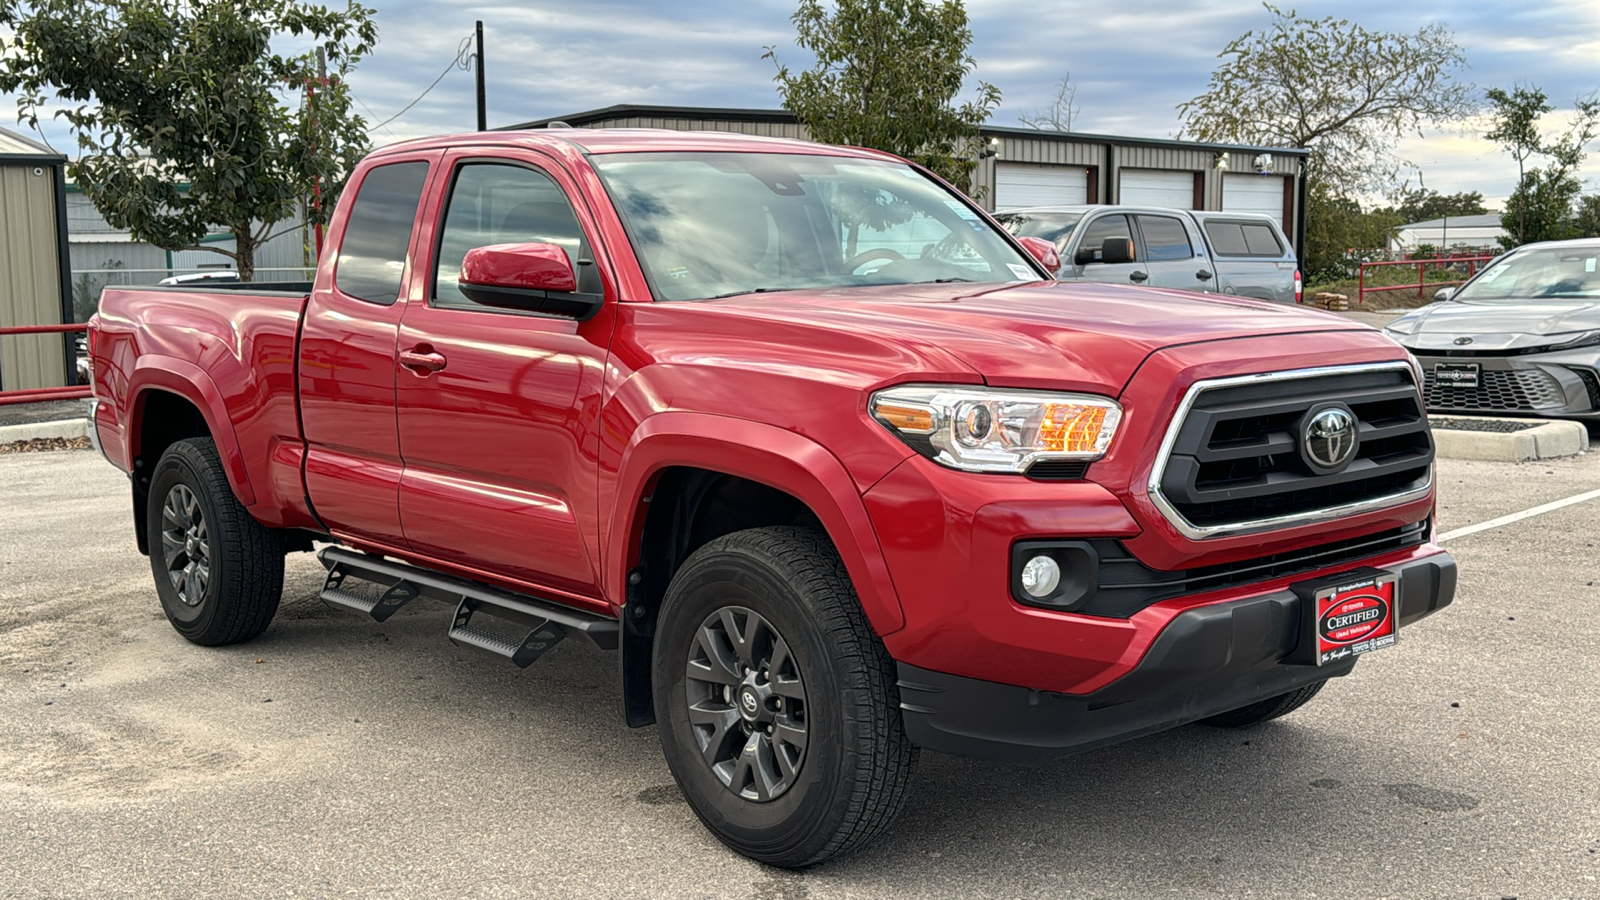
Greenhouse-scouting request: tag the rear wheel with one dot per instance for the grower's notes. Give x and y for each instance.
(218, 572)
(1265, 710)
(777, 705)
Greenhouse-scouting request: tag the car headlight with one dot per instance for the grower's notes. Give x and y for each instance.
(1572, 342)
(991, 430)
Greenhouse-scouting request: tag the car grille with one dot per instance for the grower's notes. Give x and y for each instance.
(1498, 389)
(1128, 585)
(1234, 463)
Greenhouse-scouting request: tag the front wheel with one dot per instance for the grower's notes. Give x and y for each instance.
(778, 711)
(219, 572)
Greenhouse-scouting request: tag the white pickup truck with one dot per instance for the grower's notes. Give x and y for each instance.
(1244, 254)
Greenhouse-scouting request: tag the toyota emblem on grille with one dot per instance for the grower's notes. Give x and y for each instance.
(1329, 438)
(1463, 341)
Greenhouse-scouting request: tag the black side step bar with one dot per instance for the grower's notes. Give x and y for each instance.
(546, 622)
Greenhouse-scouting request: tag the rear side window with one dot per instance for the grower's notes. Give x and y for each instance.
(1244, 239)
(1165, 238)
(372, 254)
(1094, 237)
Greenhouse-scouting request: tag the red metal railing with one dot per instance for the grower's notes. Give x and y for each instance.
(40, 395)
(1422, 284)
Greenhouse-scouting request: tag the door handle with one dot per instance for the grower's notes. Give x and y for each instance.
(1139, 277)
(1203, 275)
(422, 360)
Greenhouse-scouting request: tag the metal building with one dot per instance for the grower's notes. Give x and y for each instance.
(34, 268)
(1029, 167)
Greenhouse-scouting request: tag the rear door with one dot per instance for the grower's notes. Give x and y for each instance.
(1172, 258)
(499, 438)
(347, 353)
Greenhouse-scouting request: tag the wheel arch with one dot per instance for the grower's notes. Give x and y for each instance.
(687, 478)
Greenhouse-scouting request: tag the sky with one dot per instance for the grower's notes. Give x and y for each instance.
(1133, 63)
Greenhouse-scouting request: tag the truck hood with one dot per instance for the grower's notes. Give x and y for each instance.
(1087, 337)
(1494, 326)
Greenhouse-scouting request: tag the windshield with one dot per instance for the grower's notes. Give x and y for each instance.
(708, 225)
(1552, 273)
(1052, 226)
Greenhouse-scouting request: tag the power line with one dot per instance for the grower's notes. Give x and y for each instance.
(463, 60)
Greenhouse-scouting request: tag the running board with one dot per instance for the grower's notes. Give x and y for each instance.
(546, 623)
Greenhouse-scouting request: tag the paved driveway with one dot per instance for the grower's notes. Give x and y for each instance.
(335, 756)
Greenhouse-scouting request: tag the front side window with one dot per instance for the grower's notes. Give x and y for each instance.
(1094, 237)
(494, 203)
(372, 252)
(1165, 238)
(707, 225)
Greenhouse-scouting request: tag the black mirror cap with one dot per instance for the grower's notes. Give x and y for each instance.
(579, 306)
(1117, 250)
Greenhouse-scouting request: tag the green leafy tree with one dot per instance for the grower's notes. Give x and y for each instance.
(1341, 234)
(886, 76)
(1587, 220)
(1333, 87)
(1423, 205)
(182, 110)
(1541, 207)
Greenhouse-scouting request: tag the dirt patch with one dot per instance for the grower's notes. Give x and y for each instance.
(41, 445)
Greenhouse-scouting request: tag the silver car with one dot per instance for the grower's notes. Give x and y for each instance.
(1520, 339)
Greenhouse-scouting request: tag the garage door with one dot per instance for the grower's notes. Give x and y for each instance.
(1254, 193)
(1156, 187)
(1018, 185)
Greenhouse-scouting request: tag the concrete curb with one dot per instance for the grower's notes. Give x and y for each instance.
(1546, 440)
(68, 428)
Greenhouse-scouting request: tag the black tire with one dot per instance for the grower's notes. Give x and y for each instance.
(1265, 710)
(228, 589)
(852, 779)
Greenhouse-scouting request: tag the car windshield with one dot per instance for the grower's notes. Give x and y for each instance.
(707, 225)
(1052, 226)
(1550, 273)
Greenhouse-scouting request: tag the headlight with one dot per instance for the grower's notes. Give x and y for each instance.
(1574, 341)
(984, 430)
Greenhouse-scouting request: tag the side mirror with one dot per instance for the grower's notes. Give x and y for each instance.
(1117, 250)
(536, 277)
(1443, 294)
(1111, 250)
(1043, 251)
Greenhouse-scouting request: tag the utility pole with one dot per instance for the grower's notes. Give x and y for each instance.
(483, 109)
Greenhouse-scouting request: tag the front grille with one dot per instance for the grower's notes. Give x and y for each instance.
(1128, 585)
(1236, 457)
(1498, 389)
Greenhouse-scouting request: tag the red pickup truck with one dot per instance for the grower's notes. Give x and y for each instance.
(799, 430)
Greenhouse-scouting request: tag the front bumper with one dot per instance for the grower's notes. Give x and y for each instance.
(1559, 384)
(1209, 659)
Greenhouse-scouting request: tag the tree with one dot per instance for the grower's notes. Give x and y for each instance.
(167, 93)
(1587, 220)
(1331, 86)
(1541, 207)
(886, 76)
(1340, 234)
(1423, 205)
(1059, 114)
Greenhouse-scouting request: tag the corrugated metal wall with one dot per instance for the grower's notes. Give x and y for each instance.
(30, 277)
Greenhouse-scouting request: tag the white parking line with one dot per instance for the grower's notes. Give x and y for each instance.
(1529, 513)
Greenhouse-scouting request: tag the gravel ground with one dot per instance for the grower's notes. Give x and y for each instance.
(55, 410)
(338, 757)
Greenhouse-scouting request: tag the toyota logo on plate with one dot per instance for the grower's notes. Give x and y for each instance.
(1329, 438)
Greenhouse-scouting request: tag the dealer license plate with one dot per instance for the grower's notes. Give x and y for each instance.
(1355, 618)
(1456, 374)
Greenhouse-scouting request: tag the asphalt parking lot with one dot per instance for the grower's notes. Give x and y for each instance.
(335, 756)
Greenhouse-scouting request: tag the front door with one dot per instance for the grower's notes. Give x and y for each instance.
(1094, 235)
(498, 430)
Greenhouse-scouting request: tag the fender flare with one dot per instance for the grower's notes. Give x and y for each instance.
(154, 372)
(763, 453)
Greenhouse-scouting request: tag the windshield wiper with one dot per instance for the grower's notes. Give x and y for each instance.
(759, 290)
(946, 281)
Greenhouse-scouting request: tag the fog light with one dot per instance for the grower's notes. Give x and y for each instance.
(1041, 576)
